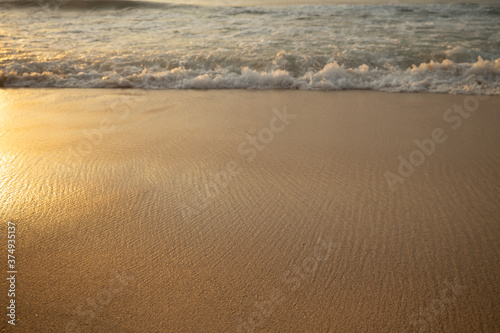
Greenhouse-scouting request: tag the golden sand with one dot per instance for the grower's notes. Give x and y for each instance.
(251, 211)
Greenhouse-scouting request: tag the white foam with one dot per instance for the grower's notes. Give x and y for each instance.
(425, 48)
(481, 77)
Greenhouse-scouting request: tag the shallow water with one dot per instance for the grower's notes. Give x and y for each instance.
(413, 48)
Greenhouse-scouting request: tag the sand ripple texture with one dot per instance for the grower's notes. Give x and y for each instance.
(106, 182)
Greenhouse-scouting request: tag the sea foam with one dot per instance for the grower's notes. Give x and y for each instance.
(398, 48)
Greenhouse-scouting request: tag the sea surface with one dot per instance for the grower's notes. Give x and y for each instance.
(448, 48)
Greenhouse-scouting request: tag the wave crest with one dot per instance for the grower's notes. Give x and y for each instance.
(481, 77)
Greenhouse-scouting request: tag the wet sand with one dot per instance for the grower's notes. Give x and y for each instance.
(251, 211)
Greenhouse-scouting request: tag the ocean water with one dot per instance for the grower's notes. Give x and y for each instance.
(452, 48)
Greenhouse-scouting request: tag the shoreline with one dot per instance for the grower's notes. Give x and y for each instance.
(247, 90)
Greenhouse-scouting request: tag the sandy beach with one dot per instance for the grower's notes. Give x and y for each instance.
(251, 211)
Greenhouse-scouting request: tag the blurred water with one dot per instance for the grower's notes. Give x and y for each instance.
(435, 48)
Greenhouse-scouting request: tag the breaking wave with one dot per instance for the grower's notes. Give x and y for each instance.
(124, 44)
